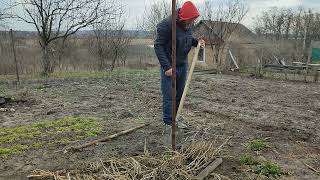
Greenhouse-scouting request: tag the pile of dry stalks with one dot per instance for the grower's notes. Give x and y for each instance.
(171, 165)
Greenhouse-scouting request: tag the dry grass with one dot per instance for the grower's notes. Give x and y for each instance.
(142, 42)
(185, 164)
(78, 56)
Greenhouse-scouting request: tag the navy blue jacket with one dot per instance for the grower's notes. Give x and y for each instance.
(163, 43)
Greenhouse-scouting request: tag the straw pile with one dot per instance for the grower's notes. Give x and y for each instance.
(185, 164)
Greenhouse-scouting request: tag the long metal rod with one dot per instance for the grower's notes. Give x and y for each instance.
(173, 77)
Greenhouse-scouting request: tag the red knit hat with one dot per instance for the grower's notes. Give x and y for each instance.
(188, 11)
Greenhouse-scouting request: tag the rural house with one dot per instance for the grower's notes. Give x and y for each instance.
(224, 36)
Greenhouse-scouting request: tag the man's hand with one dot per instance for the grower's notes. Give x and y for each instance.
(202, 43)
(168, 72)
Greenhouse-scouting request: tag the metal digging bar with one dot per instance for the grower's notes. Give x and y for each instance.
(173, 81)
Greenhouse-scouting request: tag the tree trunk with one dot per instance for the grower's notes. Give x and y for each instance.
(61, 53)
(217, 52)
(53, 64)
(114, 60)
(45, 60)
(100, 54)
(101, 58)
(101, 66)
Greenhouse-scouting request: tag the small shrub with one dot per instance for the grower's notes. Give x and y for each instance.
(258, 145)
(248, 160)
(265, 168)
(268, 168)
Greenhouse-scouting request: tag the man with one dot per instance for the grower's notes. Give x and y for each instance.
(186, 16)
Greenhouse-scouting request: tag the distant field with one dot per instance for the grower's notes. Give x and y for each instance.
(78, 56)
(142, 41)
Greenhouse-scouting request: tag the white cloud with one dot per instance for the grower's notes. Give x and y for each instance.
(258, 6)
(277, 3)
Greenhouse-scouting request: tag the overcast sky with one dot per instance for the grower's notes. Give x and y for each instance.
(136, 8)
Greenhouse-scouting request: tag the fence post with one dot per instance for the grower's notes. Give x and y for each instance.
(316, 76)
(14, 55)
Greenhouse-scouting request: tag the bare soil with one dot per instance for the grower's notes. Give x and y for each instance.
(285, 114)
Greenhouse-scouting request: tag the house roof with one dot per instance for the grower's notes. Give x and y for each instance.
(219, 27)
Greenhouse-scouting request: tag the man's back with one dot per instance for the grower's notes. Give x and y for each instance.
(185, 41)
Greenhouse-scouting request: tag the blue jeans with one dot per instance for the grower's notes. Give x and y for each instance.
(181, 73)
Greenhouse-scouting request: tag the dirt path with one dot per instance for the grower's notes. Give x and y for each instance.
(286, 114)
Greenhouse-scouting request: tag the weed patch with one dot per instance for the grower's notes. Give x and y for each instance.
(47, 133)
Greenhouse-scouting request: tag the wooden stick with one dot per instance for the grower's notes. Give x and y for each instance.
(106, 138)
(209, 169)
(37, 176)
(40, 176)
(233, 60)
(186, 87)
(311, 168)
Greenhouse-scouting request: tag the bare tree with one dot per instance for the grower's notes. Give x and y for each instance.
(288, 22)
(157, 12)
(111, 41)
(154, 14)
(223, 19)
(279, 23)
(59, 19)
(297, 24)
(262, 25)
(282, 24)
(275, 23)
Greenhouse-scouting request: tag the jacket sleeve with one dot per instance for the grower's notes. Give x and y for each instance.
(162, 39)
(194, 42)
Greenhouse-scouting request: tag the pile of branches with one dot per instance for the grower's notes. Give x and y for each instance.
(185, 164)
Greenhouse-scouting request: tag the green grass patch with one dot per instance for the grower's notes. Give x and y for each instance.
(40, 87)
(265, 168)
(93, 133)
(268, 168)
(60, 141)
(7, 93)
(47, 133)
(2, 91)
(38, 144)
(19, 148)
(72, 124)
(258, 145)
(248, 160)
(16, 136)
(115, 72)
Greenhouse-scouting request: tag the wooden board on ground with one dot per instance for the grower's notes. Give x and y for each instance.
(209, 169)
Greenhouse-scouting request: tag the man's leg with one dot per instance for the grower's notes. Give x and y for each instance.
(181, 81)
(166, 98)
(166, 107)
(166, 92)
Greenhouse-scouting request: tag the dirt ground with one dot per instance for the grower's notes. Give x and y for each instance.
(285, 114)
